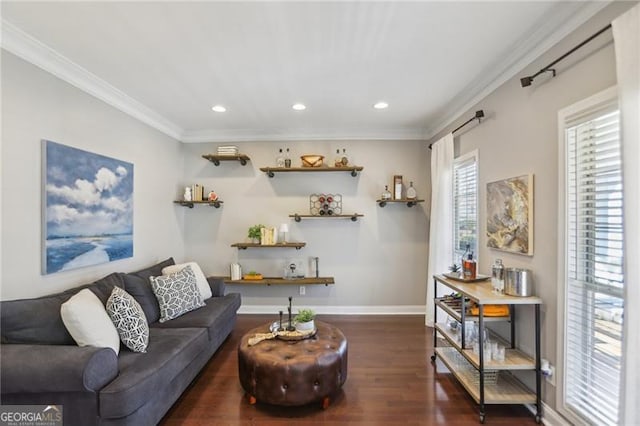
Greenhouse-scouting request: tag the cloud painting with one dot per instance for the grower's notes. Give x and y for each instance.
(88, 208)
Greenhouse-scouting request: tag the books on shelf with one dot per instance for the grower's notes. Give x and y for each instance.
(268, 236)
(228, 150)
(197, 192)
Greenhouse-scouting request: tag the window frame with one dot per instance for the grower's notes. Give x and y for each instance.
(570, 113)
(458, 160)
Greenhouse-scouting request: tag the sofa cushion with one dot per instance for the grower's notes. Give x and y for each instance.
(177, 293)
(170, 351)
(138, 285)
(128, 317)
(201, 280)
(87, 321)
(218, 311)
(38, 320)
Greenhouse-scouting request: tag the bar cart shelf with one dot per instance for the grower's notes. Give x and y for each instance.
(474, 372)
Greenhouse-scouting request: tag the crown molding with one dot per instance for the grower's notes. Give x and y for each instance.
(558, 25)
(212, 135)
(39, 54)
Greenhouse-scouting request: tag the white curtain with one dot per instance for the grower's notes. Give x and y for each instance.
(626, 34)
(441, 227)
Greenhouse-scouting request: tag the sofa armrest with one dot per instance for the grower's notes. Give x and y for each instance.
(55, 368)
(217, 286)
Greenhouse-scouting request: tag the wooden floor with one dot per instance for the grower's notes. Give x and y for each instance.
(391, 381)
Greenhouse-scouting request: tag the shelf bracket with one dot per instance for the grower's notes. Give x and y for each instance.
(215, 204)
(215, 162)
(354, 218)
(297, 218)
(411, 203)
(187, 204)
(243, 161)
(382, 203)
(354, 173)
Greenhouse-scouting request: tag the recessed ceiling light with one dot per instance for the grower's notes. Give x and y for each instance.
(299, 107)
(381, 105)
(218, 108)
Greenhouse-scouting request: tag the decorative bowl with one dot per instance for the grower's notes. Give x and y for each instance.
(312, 160)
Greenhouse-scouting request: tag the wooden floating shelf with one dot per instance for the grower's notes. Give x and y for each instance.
(282, 281)
(216, 159)
(190, 204)
(244, 246)
(271, 171)
(298, 217)
(407, 201)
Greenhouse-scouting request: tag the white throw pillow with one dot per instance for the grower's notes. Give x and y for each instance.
(201, 280)
(129, 319)
(87, 321)
(177, 293)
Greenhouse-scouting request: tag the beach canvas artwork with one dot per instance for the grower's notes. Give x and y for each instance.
(88, 208)
(510, 214)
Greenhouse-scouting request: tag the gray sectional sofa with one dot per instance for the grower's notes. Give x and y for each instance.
(41, 364)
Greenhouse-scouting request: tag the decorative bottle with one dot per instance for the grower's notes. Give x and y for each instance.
(386, 194)
(497, 276)
(287, 159)
(411, 192)
(345, 158)
(338, 160)
(280, 159)
(469, 267)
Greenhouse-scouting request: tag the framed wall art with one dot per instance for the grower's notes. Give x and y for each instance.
(510, 215)
(87, 208)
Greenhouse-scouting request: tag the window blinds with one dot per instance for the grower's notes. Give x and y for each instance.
(465, 204)
(594, 252)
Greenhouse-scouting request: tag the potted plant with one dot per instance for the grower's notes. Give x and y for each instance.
(254, 232)
(304, 321)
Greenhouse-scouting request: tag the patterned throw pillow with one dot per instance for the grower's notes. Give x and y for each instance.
(128, 317)
(177, 293)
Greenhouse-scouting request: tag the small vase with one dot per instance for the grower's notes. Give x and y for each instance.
(305, 327)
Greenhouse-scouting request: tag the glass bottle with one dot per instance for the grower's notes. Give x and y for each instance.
(338, 160)
(386, 194)
(280, 159)
(469, 268)
(287, 159)
(411, 192)
(345, 159)
(497, 276)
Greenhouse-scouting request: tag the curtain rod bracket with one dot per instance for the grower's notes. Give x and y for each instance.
(478, 115)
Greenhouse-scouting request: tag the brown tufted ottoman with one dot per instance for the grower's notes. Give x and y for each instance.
(283, 372)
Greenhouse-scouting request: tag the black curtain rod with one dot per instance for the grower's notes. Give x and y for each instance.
(478, 116)
(526, 81)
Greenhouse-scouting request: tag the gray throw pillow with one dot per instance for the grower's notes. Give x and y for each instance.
(129, 319)
(177, 293)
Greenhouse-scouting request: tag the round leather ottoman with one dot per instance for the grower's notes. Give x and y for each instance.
(292, 373)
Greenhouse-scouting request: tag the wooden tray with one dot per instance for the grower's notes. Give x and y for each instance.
(456, 276)
(274, 329)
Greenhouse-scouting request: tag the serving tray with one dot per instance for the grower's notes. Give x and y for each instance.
(457, 277)
(290, 335)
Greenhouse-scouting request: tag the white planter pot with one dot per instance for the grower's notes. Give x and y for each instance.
(305, 326)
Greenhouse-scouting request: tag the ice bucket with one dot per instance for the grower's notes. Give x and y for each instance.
(518, 282)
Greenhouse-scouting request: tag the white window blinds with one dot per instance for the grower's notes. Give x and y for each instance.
(465, 205)
(594, 279)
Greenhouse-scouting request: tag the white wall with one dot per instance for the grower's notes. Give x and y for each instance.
(519, 136)
(36, 105)
(379, 262)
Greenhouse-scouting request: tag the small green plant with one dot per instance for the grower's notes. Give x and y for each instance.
(305, 315)
(454, 268)
(254, 231)
(252, 273)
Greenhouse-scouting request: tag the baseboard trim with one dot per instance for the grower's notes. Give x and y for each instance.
(341, 310)
(550, 416)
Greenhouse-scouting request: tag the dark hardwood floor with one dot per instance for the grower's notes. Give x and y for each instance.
(391, 381)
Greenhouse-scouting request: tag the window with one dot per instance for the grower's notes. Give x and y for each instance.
(465, 205)
(593, 277)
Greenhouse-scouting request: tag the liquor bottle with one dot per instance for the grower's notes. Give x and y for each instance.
(280, 159)
(386, 194)
(411, 192)
(469, 267)
(345, 159)
(287, 159)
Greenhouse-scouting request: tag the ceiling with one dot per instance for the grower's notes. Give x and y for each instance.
(168, 63)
